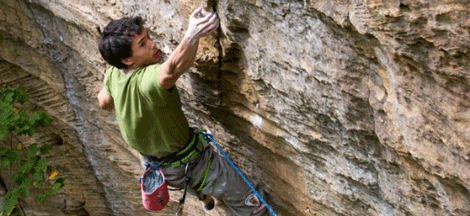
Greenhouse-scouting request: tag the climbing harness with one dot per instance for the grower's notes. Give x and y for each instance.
(210, 139)
(182, 158)
(189, 150)
(207, 200)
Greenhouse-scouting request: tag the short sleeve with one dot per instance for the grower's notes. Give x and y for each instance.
(107, 82)
(151, 88)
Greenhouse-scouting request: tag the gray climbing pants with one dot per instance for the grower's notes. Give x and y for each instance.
(221, 181)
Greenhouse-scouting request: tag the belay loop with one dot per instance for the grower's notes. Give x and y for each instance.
(209, 138)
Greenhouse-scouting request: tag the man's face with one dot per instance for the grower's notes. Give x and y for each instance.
(144, 52)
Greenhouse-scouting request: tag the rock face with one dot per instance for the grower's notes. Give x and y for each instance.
(358, 107)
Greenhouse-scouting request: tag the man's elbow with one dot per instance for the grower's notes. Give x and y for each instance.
(168, 81)
(106, 106)
(104, 102)
(101, 103)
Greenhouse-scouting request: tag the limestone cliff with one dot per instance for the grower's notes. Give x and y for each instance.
(344, 107)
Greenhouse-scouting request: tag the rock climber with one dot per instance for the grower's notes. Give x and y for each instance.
(148, 109)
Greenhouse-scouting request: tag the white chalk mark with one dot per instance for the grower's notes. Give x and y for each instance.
(257, 121)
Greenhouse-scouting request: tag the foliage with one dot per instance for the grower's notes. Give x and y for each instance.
(16, 120)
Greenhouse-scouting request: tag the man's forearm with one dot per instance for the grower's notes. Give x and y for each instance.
(183, 56)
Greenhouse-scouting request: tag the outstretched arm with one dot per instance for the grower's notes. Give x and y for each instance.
(106, 102)
(184, 55)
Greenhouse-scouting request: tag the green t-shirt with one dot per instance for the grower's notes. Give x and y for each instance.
(150, 117)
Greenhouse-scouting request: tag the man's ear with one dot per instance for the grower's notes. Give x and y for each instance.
(127, 61)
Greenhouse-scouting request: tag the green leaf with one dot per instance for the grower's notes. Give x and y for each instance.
(32, 150)
(9, 204)
(25, 166)
(38, 119)
(60, 180)
(9, 157)
(12, 194)
(21, 96)
(18, 178)
(23, 129)
(35, 117)
(5, 116)
(5, 112)
(38, 177)
(41, 198)
(41, 164)
(32, 131)
(47, 120)
(22, 164)
(3, 131)
(5, 161)
(22, 190)
(27, 181)
(36, 184)
(45, 148)
(12, 155)
(9, 96)
(55, 188)
(3, 150)
(35, 159)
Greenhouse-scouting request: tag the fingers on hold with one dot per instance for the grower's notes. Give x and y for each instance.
(214, 16)
(207, 24)
(208, 16)
(213, 23)
(196, 12)
(211, 27)
(215, 26)
(214, 20)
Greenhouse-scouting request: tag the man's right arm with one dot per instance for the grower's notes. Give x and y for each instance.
(106, 102)
(184, 55)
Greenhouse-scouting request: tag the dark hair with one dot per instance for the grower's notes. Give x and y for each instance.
(115, 41)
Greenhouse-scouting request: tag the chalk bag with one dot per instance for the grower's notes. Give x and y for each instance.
(155, 194)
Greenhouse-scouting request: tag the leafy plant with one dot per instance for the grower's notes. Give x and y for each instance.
(16, 120)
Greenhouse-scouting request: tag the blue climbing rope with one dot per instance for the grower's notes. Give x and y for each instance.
(209, 138)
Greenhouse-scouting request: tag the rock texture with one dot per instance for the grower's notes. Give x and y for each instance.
(339, 107)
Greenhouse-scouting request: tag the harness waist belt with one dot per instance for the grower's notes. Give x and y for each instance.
(181, 157)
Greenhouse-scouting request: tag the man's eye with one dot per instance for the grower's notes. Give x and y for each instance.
(142, 44)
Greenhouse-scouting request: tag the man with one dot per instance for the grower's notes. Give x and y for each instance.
(149, 114)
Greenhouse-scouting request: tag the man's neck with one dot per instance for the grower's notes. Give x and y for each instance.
(128, 70)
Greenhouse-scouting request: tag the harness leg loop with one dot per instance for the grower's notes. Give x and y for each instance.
(179, 211)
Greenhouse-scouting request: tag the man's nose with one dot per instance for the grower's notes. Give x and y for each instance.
(152, 44)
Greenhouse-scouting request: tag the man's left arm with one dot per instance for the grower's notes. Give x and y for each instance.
(184, 55)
